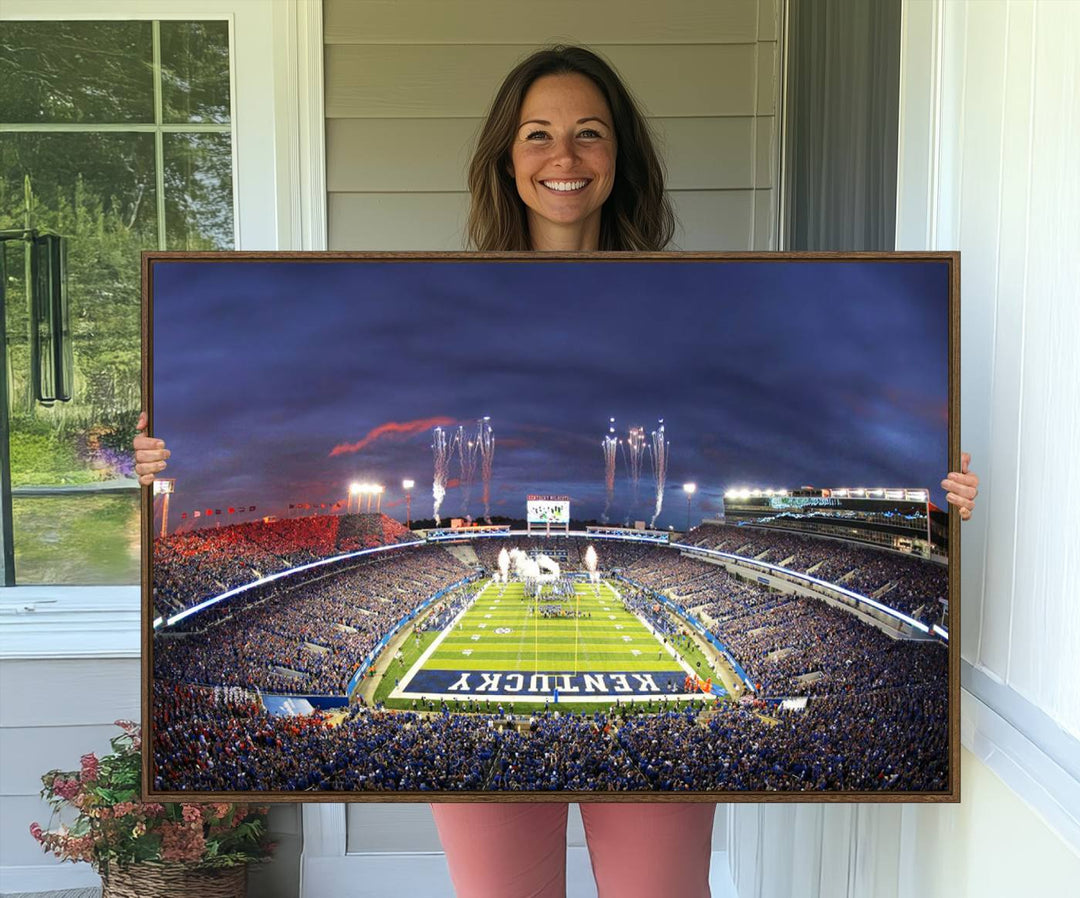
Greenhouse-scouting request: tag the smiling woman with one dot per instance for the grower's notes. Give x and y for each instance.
(563, 161)
(563, 116)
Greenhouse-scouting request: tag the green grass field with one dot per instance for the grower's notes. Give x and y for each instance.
(499, 632)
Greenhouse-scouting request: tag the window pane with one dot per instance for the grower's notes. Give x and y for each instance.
(198, 192)
(77, 540)
(195, 72)
(76, 72)
(98, 191)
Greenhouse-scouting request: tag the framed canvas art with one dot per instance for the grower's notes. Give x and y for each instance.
(616, 527)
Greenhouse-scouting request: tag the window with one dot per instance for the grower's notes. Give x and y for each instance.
(116, 135)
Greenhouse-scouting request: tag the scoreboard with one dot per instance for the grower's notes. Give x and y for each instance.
(548, 510)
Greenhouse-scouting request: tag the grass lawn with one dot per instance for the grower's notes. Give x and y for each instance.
(78, 540)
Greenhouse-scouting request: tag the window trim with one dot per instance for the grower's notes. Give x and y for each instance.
(276, 85)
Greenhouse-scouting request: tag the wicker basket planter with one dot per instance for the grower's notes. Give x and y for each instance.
(148, 880)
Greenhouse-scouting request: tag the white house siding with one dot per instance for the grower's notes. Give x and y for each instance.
(408, 83)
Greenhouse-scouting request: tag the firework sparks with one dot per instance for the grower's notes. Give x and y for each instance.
(440, 448)
(611, 448)
(486, 446)
(467, 458)
(634, 454)
(660, 464)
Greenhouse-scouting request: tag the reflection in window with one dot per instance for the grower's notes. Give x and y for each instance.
(195, 71)
(198, 192)
(117, 136)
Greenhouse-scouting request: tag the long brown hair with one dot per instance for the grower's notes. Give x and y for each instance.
(637, 214)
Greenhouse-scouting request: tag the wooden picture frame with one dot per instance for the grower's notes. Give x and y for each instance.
(279, 378)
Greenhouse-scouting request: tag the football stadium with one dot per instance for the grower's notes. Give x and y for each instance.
(798, 643)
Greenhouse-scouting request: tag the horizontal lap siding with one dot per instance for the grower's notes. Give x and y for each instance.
(453, 81)
(79, 699)
(525, 22)
(408, 83)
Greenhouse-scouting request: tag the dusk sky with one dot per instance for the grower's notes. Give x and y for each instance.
(767, 374)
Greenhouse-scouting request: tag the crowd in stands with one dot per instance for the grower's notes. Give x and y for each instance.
(693, 583)
(875, 720)
(305, 634)
(193, 565)
(907, 583)
(890, 739)
(645, 606)
(789, 646)
(806, 647)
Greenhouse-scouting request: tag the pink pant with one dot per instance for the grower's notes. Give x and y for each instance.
(519, 850)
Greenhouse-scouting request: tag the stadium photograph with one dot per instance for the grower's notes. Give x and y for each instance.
(452, 526)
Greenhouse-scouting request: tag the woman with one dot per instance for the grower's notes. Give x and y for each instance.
(565, 162)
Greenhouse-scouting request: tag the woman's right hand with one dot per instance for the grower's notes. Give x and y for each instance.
(150, 454)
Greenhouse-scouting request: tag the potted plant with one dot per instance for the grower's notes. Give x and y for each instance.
(144, 848)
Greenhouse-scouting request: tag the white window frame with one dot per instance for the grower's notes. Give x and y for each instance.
(279, 198)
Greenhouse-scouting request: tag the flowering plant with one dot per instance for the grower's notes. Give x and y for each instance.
(113, 827)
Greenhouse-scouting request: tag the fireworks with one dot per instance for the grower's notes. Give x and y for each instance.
(444, 446)
(440, 448)
(611, 447)
(486, 445)
(591, 563)
(659, 465)
(467, 456)
(634, 452)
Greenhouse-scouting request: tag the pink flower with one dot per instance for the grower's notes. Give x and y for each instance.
(153, 809)
(65, 788)
(123, 808)
(80, 848)
(89, 767)
(181, 842)
(192, 814)
(36, 832)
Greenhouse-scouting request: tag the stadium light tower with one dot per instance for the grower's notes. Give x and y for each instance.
(689, 489)
(377, 489)
(355, 489)
(163, 486)
(407, 485)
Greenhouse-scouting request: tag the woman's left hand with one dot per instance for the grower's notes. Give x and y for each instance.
(962, 487)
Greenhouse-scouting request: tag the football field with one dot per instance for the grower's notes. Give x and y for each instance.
(586, 647)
